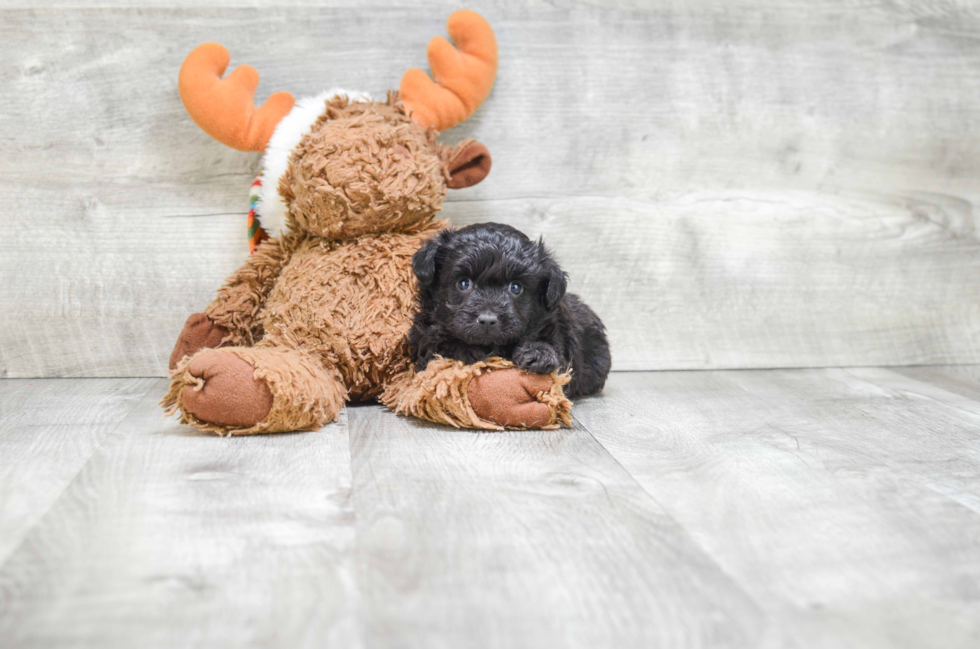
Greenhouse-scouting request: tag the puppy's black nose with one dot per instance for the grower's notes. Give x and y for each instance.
(487, 319)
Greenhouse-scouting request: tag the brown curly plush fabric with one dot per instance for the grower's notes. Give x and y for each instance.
(440, 394)
(240, 301)
(343, 307)
(367, 165)
(321, 314)
(349, 304)
(305, 394)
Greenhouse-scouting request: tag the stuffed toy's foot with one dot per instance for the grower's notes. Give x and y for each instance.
(245, 390)
(226, 392)
(509, 397)
(490, 395)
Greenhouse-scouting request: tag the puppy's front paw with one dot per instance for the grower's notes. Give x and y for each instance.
(537, 358)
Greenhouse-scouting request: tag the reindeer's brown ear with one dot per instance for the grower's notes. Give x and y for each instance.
(467, 164)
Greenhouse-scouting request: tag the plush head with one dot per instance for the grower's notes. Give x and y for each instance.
(368, 167)
(341, 164)
(488, 284)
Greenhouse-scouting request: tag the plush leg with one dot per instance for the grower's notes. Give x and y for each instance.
(490, 395)
(262, 389)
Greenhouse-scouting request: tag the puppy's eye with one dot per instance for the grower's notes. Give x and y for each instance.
(464, 284)
(516, 288)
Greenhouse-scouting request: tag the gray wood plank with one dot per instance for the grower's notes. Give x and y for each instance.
(839, 500)
(731, 184)
(533, 539)
(49, 428)
(959, 379)
(170, 538)
(924, 429)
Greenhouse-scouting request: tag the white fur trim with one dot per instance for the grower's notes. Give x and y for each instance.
(287, 136)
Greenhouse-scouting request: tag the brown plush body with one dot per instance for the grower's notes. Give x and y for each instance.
(345, 304)
(340, 309)
(321, 314)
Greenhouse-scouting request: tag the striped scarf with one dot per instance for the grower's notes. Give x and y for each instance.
(256, 234)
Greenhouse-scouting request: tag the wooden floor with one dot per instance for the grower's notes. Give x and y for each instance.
(809, 508)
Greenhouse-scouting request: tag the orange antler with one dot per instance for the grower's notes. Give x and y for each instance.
(225, 108)
(464, 76)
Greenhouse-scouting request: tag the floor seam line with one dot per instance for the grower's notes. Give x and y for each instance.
(763, 611)
(95, 450)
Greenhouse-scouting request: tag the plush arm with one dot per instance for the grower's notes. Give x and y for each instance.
(232, 318)
(489, 395)
(238, 303)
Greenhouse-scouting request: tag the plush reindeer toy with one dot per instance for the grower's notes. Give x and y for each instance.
(319, 312)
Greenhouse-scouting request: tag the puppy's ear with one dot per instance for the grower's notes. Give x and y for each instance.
(425, 260)
(556, 281)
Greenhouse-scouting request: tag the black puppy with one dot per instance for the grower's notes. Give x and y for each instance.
(488, 290)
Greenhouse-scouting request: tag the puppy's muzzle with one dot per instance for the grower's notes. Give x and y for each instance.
(487, 320)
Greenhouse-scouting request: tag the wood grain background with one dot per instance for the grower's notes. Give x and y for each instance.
(729, 184)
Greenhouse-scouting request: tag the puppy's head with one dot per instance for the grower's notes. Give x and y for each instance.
(488, 284)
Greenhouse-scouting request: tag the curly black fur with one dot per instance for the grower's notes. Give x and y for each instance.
(488, 290)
